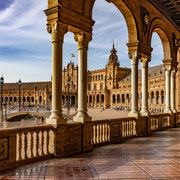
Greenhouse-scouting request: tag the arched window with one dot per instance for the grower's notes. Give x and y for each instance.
(90, 99)
(98, 99)
(32, 99)
(118, 98)
(123, 98)
(114, 99)
(102, 98)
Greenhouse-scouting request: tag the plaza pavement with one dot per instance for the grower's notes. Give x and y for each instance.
(156, 157)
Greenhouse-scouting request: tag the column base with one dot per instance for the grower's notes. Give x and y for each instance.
(144, 113)
(56, 121)
(82, 119)
(134, 114)
(168, 111)
(173, 110)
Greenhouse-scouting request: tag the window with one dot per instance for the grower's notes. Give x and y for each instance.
(94, 86)
(101, 86)
(101, 77)
(89, 87)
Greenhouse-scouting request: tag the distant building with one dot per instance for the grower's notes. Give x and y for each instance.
(107, 88)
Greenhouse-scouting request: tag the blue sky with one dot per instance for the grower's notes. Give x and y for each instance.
(25, 45)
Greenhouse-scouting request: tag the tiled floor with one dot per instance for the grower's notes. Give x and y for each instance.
(154, 157)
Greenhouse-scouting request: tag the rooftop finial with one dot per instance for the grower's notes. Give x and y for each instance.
(113, 48)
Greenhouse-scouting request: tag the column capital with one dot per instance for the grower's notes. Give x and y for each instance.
(83, 39)
(133, 56)
(144, 61)
(57, 31)
(173, 72)
(167, 68)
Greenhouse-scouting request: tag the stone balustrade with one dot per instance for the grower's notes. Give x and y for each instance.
(19, 146)
(23, 145)
(108, 131)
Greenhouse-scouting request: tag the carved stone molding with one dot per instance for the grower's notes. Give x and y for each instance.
(134, 58)
(57, 30)
(167, 68)
(144, 61)
(83, 39)
(173, 73)
(145, 18)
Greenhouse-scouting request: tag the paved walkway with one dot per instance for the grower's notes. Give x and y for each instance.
(154, 157)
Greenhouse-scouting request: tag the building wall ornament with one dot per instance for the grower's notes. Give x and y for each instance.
(83, 39)
(134, 58)
(144, 62)
(57, 31)
(145, 18)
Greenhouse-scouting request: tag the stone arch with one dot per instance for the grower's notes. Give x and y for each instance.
(161, 29)
(123, 98)
(28, 99)
(162, 96)
(128, 16)
(152, 97)
(127, 98)
(63, 99)
(102, 98)
(72, 100)
(40, 99)
(90, 99)
(32, 99)
(50, 98)
(157, 97)
(97, 99)
(114, 99)
(6, 99)
(118, 98)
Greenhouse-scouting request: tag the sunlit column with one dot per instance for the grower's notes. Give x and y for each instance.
(83, 40)
(57, 32)
(144, 63)
(134, 84)
(173, 91)
(167, 78)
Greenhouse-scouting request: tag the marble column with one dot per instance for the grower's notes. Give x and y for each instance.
(57, 32)
(134, 84)
(83, 40)
(173, 91)
(167, 79)
(144, 63)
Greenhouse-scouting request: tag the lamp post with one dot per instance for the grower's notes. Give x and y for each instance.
(5, 111)
(29, 98)
(19, 84)
(23, 98)
(68, 99)
(2, 82)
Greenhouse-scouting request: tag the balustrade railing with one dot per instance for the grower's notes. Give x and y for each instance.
(128, 128)
(103, 131)
(100, 132)
(23, 145)
(160, 121)
(34, 143)
(20, 145)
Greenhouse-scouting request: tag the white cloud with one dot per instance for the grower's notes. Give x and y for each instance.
(23, 28)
